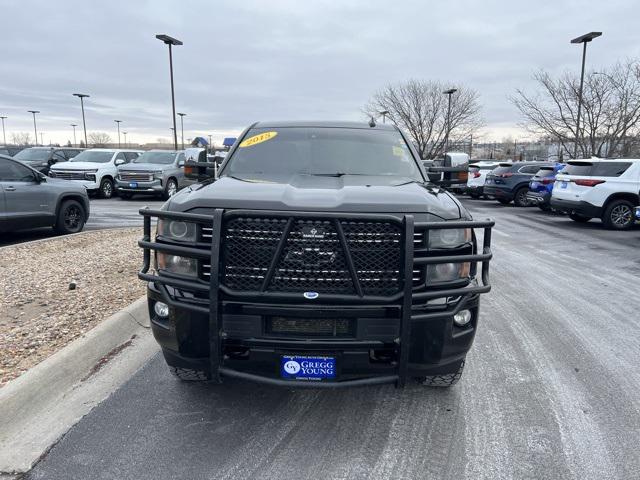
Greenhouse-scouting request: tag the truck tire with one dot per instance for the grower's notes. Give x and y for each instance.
(579, 218)
(188, 374)
(106, 188)
(446, 380)
(520, 198)
(618, 215)
(70, 217)
(171, 189)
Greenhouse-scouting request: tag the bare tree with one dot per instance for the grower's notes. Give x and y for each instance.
(99, 139)
(610, 106)
(420, 109)
(21, 138)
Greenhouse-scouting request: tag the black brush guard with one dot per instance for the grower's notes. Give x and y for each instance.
(405, 299)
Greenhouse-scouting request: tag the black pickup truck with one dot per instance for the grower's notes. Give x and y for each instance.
(320, 256)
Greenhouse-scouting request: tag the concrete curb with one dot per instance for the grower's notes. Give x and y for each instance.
(40, 406)
(55, 237)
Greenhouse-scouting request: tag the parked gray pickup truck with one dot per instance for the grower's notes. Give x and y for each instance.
(156, 172)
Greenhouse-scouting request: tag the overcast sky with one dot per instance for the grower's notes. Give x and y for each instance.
(251, 60)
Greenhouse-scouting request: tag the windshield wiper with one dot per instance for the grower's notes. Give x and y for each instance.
(336, 174)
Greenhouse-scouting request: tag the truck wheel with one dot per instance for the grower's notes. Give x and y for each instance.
(188, 374)
(618, 215)
(579, 218)
(106, 188)
(446, 380)
(71, 217)
(520, 198)
(504, 201)
(170, 190)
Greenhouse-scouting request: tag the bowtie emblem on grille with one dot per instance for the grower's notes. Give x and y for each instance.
(312, 232)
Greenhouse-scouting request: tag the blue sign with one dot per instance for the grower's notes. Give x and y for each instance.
(308, 368)
(229, 141)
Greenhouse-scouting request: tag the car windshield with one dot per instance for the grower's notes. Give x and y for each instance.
(323, 151)
(33, 155)
(163, 158)
(577, 168)
(93, 156)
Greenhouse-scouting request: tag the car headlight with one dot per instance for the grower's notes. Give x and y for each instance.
(176, 264)
(177, 230)
(447, 272)
(157, 174)
(449, 237)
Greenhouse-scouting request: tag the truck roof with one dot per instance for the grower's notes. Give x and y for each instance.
(323, 124)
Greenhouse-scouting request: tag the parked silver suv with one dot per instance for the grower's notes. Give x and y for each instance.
(156, 172)
(29, 199)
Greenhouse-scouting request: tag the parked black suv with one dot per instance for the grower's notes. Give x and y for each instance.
(321, 257)
(510, 181)
(41, 158)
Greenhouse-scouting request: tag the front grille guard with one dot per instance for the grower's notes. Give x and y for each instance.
(405, 298)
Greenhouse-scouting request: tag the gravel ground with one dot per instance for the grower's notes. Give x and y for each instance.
(39, 314)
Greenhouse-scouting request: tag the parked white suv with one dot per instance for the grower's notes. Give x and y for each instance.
(477, 175)
(608, 189)
(96, 169)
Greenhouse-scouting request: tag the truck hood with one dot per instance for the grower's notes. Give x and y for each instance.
(79, 166)
(349, 193)
(143, 167)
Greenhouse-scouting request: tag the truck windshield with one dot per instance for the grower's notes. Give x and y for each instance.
(163, 158)
(323, 151)
(93, 156)
(33, 154)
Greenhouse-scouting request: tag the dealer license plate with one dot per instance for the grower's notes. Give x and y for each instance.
(307, 368)
(563, 185)
(133, 185)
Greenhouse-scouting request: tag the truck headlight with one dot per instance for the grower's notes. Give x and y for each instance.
(90, 175)
(177, 230)
(447, 272)
(449, 237)
(157, 175)
(176, 264)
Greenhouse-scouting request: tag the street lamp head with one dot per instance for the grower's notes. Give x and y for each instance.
(73, 124)
(181, 114)
(587, 37)
(118, 121)
(450, 91)
(33, 111)
(168, 40)
(80, 95)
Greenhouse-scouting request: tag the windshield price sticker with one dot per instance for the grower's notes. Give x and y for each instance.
(263, 137)
(310, 368)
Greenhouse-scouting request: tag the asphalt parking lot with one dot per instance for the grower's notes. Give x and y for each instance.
(550, 390)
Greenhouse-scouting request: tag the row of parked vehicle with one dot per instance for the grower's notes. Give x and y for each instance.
(608, 189)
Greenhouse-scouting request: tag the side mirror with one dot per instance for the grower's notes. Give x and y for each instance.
(40, 177)
(196, 165)
(119, 161)
(447, 176)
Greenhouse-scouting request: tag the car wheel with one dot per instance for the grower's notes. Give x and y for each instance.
(446, 380)
(106, 188)
(171, 189)
(188, 374)
(618, 215)
(520, 198)
(71, 217)
(579, 218)
(504, 201)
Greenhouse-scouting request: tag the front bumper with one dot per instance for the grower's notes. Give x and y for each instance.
(223, 332)
(580, 207)
(135, 186)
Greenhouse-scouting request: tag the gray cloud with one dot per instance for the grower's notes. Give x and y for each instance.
(256, 60)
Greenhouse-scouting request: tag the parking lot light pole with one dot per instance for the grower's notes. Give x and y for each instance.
(182, 115)
(125, 139)
(449, 92)
(74, 125)
(167, 40)
(35, 128)
(82, 96)
(4, 135)
(118, 122)
(584, 39)
(210, 145)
